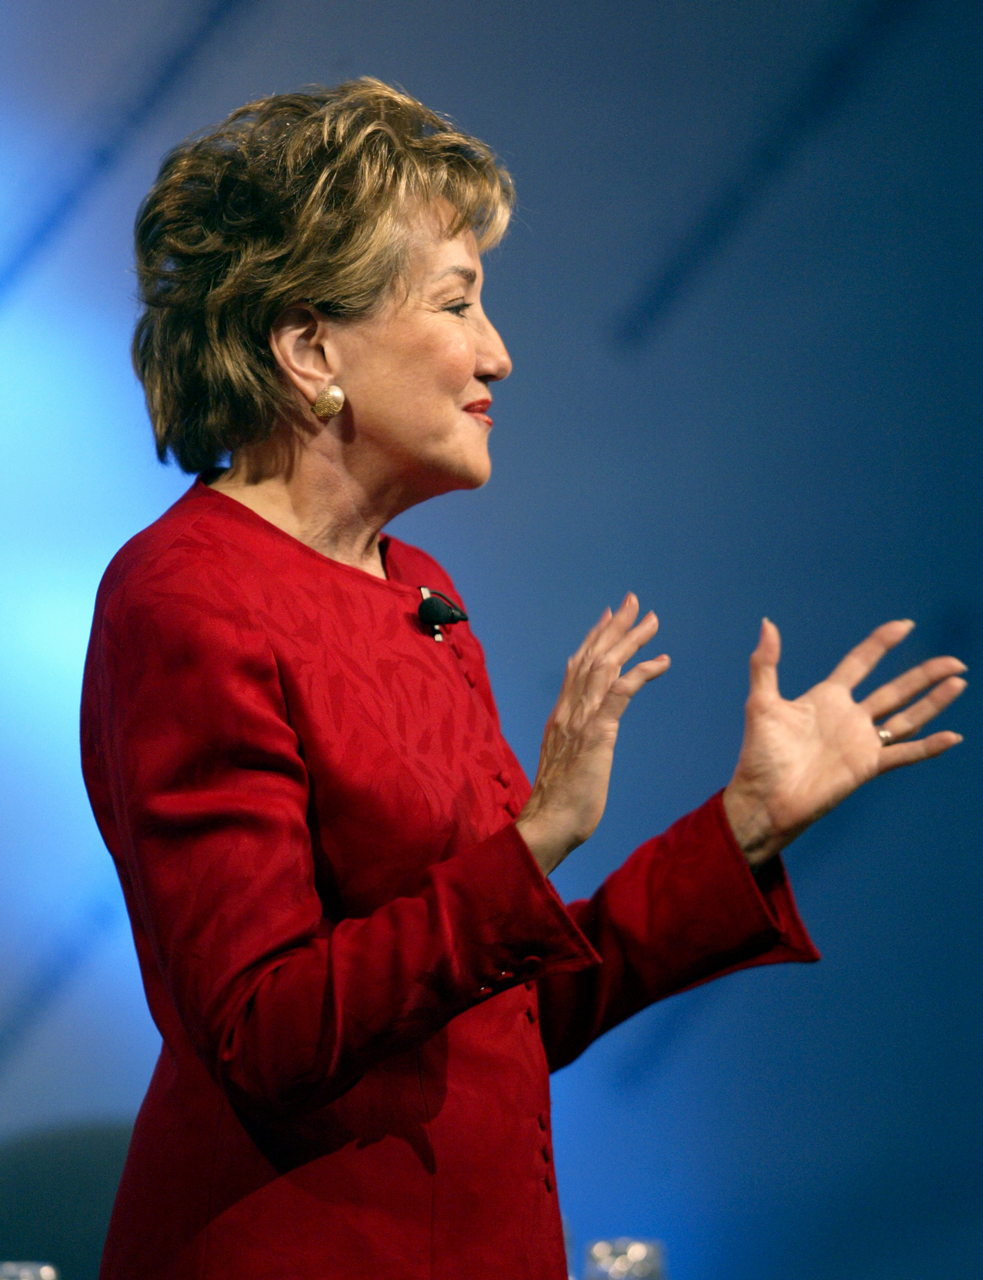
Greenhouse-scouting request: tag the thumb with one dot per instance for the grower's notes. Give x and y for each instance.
(764, 660)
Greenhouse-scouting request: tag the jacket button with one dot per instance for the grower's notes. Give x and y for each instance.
(542, 1120)
(546, 1154)
(531, 1014)
(549, 1184)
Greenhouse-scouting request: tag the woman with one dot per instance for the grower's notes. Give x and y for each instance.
(335, 869)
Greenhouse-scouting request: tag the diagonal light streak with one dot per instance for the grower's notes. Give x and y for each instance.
(101, 159)
(53, 974)
(64, 960)
(836, 75)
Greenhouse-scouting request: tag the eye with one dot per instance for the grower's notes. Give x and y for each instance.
(458, 308)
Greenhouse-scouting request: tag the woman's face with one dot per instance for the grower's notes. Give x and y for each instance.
(416, 374)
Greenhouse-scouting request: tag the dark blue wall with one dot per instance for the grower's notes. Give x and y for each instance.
(799, 436)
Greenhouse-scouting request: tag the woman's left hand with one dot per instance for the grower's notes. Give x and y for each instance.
(801, 758)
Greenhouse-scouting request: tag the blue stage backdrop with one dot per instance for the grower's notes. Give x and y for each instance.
(742, 294)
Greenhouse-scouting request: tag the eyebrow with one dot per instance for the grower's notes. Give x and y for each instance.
(467, 274)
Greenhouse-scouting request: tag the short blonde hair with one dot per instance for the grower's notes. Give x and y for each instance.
(299, 198)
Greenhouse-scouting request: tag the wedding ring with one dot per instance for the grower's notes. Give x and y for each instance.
(886, 737)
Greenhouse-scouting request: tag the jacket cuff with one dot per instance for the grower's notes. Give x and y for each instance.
(519, 930)
(769, 885)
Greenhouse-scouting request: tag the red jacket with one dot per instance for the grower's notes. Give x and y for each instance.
(361, 977)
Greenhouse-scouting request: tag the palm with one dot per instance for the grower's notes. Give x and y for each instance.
(799, 758)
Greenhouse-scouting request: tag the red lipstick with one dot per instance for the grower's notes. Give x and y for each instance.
(479, 409)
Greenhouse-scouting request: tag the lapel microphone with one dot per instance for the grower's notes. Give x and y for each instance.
(436, 610)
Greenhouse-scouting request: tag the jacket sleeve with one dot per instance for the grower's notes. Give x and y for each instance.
(187, 737)
(684, 908)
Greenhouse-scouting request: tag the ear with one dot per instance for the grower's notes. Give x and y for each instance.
(301, 344)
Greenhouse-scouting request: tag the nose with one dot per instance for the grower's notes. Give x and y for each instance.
(493, 362)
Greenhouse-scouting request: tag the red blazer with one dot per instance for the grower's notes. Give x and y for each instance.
(360, 975)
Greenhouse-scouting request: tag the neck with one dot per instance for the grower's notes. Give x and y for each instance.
(318, 500)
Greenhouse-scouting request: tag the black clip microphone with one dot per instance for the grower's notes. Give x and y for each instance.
(436, 610)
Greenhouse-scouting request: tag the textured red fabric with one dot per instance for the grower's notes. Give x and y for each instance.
(359, 973)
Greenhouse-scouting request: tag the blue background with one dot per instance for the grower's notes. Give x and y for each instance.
(797, 434)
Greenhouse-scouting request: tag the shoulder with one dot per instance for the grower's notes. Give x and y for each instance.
(176, 628)
(193, 558)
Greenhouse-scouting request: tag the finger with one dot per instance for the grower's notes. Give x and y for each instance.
(594, 632)
(609, 628)
(628, 685)
(903, 753)
(862, 660)
(577, 669)
(620, 641)
(764, 660)
(620, 648)
(582, 666)
(919, 713)
(892, 696)
(605, 667)
(620, 622)
(630, 643)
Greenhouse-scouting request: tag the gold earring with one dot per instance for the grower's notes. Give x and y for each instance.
(330, 401)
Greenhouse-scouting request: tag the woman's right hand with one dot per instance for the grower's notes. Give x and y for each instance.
(571, 787)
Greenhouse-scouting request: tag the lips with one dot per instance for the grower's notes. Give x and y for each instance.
(479, 409)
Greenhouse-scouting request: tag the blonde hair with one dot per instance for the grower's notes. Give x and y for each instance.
(297, 199)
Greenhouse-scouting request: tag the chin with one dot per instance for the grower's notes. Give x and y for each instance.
(464, 465)
(469, 472)
(479, 476)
